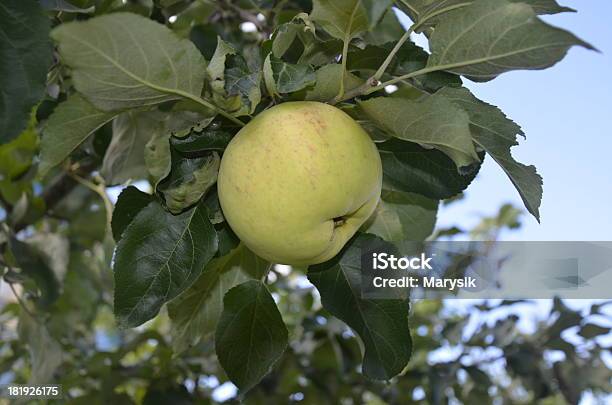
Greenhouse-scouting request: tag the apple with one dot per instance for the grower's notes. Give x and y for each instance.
(298, 181)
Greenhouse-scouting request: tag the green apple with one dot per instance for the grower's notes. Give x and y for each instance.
(298, 181)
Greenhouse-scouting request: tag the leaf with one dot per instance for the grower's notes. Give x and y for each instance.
(491, 37)
(431, 11)
(382, 325)
(591, 330)
(157, 258)
(65, 6)
(45, 352)
(196, 311)
(435, 122)
(33, 266)
(411, 168)
(251, 335)
(123, 60)
(189, 180)
(327, 85)
(344, 19)
(16, 156)
(25, 52)
(129, 203)
(69, 125)
(216, 67)
(282, 77)
(387, 30)
(157, 154)
(402, 216)
(241, 81)
(125, 157)
(213, 138)
(496, 134)
(409, 58)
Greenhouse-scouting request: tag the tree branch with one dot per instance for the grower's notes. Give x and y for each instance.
(60, 188)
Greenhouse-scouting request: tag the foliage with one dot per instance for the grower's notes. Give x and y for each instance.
(150, 92)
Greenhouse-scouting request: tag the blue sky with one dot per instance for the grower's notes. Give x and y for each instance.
(565, 112)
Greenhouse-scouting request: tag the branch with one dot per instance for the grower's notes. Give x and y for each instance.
(60, 188)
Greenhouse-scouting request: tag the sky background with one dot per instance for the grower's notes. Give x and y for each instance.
(565, 112)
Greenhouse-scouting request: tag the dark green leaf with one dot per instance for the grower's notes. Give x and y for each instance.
(251, 335)
(409, 167)
(409, 58)
(381, 324)
(130, 202)
(196, 311)
(591, 330)
(157, 258)
(198, 142)
(25, 52)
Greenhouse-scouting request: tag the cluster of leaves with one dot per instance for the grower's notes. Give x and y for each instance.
(154, 90)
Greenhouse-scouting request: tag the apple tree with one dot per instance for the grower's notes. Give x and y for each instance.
(136, 300)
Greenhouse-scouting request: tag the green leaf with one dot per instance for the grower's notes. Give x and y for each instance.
(25, 52)
(496, 134)
(125, 157)
(327, 84)
(434, 121)
(157, 258)
(241, 81)
(491, 37)
(591, 330)
(251, 335)
(45, 352)
(16, 156)
(382, 325)
(189, 180)
(69, 125)
(402, 216)
(65, 6)
(387, 30)
(411, 168)
(281, 77)
(157, 154)
(216, 67)
(122, 60)
(33, 266)
(409, 58)
(212, 138)
(344, 19)
(196, 311)
(130, 202)
(428, 12)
